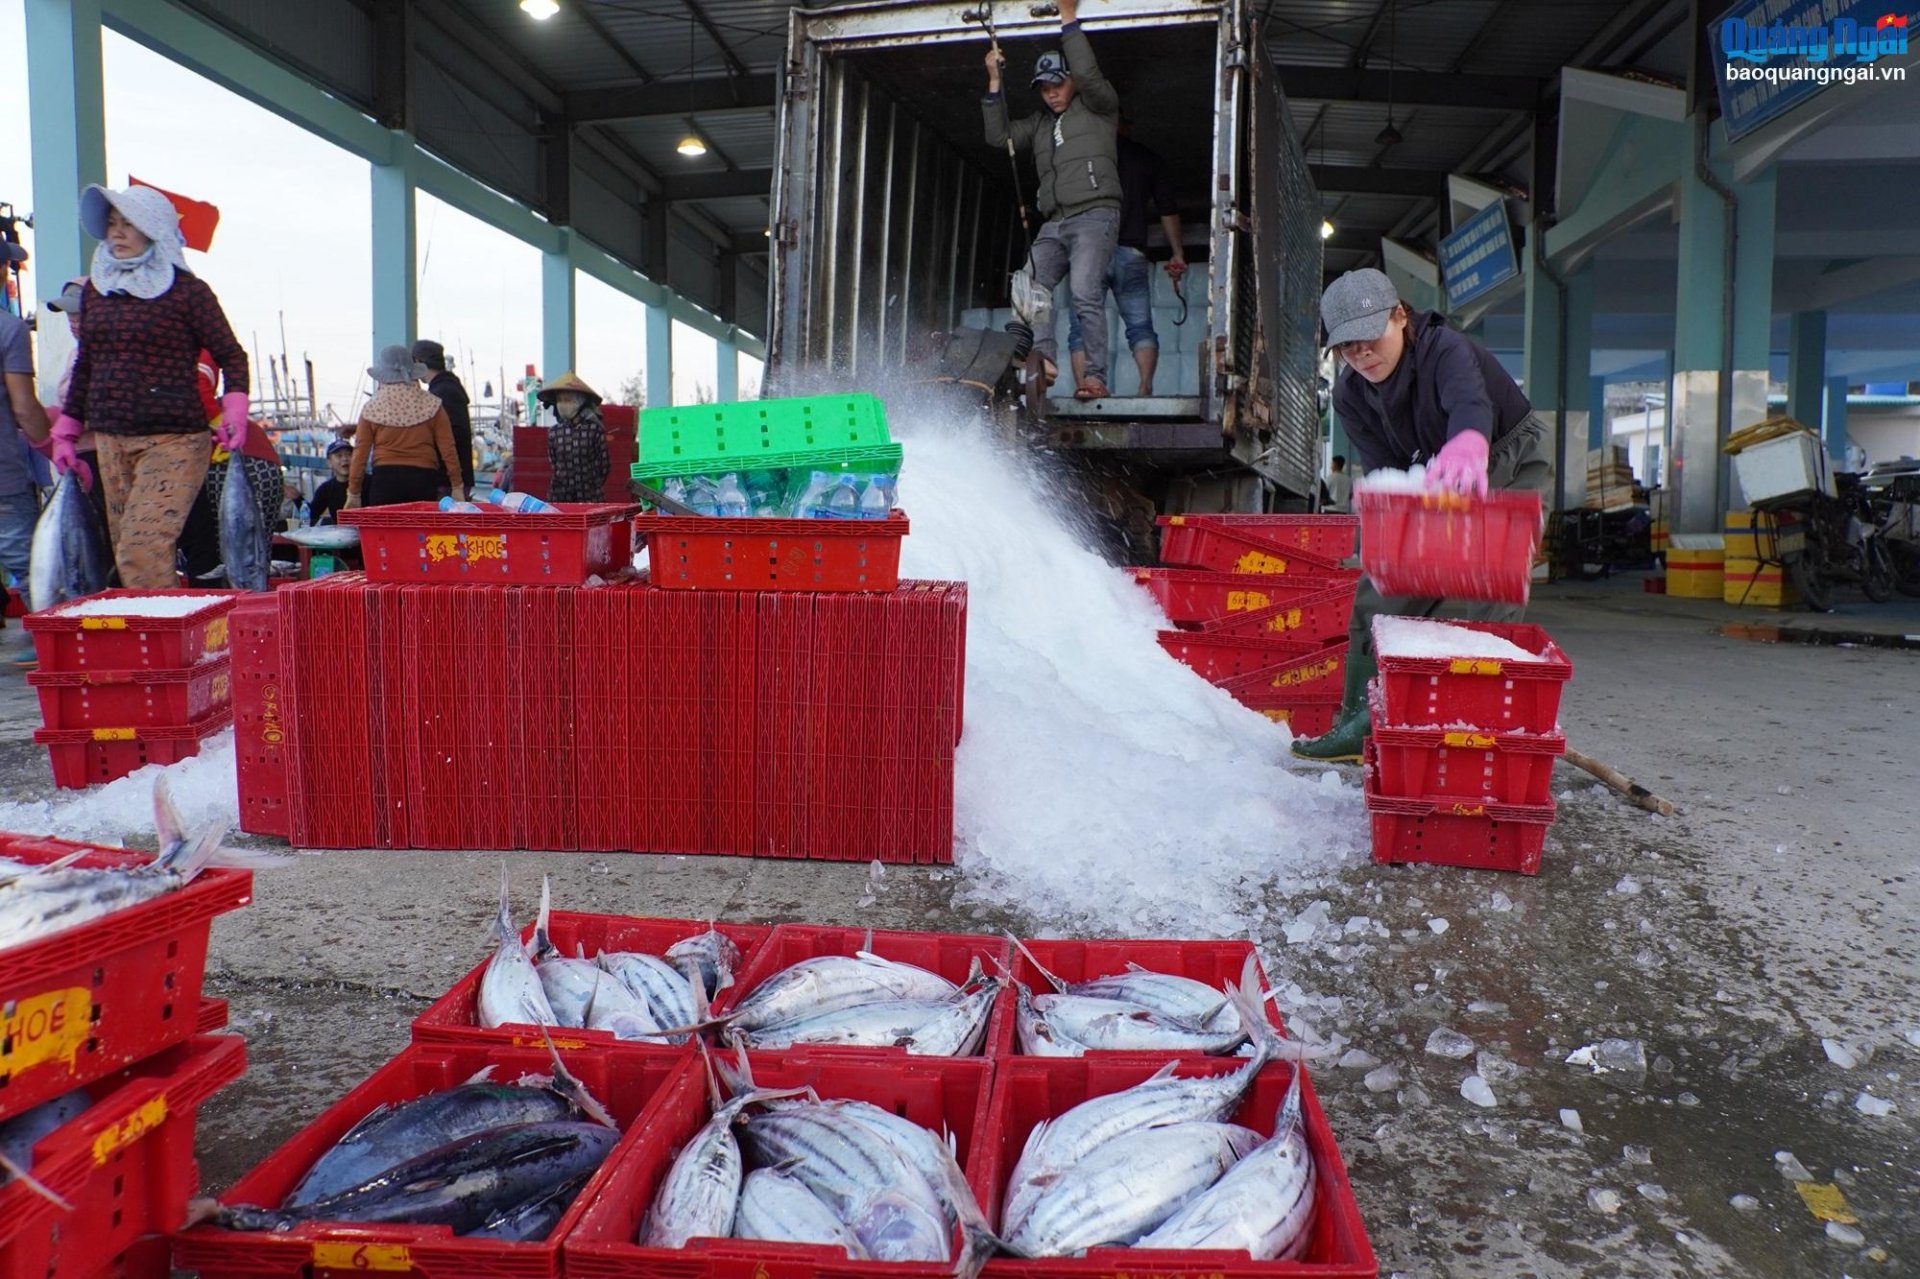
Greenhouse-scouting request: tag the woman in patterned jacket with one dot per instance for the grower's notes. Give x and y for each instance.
(577, 443)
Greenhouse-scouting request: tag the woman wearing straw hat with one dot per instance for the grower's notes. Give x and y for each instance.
(405, 429)
(577, 443)
(144, 321)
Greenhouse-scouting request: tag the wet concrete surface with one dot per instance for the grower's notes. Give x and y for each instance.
(1781, 906)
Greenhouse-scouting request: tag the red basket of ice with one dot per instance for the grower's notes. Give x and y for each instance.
(1441, 545)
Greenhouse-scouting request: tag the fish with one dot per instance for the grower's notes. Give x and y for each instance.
(1264, 1204)
(827, 983)
(668, 994)
(1111, 1024)
(511, 992)
(584, 997)
(1183, 997)
(246, 548)
(892, 1024)
(20, 1134)
(70, 557)
(1037, 1038)
(463, 1185)
(1127, 1187)
(533, 1220)
(778, 1208)
(39, 901)
(710, 958)
(701, 1191)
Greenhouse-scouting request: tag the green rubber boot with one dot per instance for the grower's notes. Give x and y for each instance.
(1344, 742)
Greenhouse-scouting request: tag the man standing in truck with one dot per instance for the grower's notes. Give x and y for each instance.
(1076, 154)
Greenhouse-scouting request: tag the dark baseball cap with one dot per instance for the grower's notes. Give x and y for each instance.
(339, 446)
(1357, 306)
(1050, 68)
(11, 252)
(68, 303)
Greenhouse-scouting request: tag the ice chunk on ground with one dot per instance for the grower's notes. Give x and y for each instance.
(1500, 903)
(1604, 1201)
(1418, 637)
(1840, 1054)
(1651, 1192)
(1627, 887)
(1842, 1233)
(1687, 1099)
(1571, 1119)
(1447, 1042)
(1913, 1037)
(1790, 1167)
(1308, 922)
(1357, 924)
(1383, 1079)
(1636, 1154)
(1494, 1068)
(1745, 1203)
(1357, 1059)
(1616, 1056)
(1868, 1104)
(1438, 926)
(1476, 1090)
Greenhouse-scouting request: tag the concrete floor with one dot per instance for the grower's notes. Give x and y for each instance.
(1781, 906)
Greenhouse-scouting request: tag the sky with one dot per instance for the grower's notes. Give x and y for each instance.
(294, 244)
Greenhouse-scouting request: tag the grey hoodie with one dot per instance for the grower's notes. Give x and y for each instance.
(1083, 171)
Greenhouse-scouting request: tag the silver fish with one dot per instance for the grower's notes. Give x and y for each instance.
(701, 1191)
(958, 1029)
(510, 989)
(709, 958)
(40, 901)
(885, 1025)
(1127, 1187)
(667, 993)
(826, 983)
(1111, 1024)
(245, 545)
(70, 557)
(1183, 997)
(1262, 1206)
(1037, 1038)
(779, 1208)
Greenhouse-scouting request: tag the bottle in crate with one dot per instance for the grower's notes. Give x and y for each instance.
(843, 503)
(730, 498)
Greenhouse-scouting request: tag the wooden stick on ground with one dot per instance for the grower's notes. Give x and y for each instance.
(1619, 781)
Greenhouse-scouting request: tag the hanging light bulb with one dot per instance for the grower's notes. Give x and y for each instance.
(539, 10)
(1326, 229)
(1389, 136)
(691, 146)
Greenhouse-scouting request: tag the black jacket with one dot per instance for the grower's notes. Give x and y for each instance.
(1445, 383)
(1082, 171)
(454, 397)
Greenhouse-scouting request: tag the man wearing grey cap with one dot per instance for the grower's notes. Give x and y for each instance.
(453, 395)
(20, 416)
(1416, 391)
(1076, 155)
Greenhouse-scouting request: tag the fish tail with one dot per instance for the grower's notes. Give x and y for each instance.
(1268, 1044)
(543, 946)
(1289, 1121)
(713, 1080)
(167, 826)
(1038, 967)
(195, 855)
(38, 1187)
(503, 922)
(568, 1085)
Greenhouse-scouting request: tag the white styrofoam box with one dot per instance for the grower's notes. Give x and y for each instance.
(1698, 541)
(1002, 316)
(1787, 464)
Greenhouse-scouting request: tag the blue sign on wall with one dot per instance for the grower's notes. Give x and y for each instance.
(1769, 56)
(1479, 256)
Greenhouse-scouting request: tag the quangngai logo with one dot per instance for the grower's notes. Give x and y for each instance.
(1843, 38)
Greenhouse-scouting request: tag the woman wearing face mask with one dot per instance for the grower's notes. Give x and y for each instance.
(577, 444)
(144, 320)
(405, 429)
(1416, 391)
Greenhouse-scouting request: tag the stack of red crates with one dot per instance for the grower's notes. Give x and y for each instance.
(1459, 766)
(130, 678)
(1261, 606)
(659, 1095)
(109, 1013)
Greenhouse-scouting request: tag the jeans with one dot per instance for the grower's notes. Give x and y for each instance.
(1130, 276)
(1079, 249)
(19, 512)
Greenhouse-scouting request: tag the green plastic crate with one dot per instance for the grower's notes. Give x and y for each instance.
(693, 439)
(884, 458)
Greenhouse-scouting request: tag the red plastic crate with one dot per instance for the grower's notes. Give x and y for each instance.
(940, 1095)
(1315, 615)
(460, 764)
(1302, 677)
(628, 1084)
(125, 1164)
(451, 1019)
(1500, 768)
(1221, 659)
(1332, 536)
(784, 728)
(773, 554)
(609, 734)
(1440, 831)
(1487, 695)
(1448, 545)
(335, 674)
(136, 699)
(1221, 549)
(414, 542)
(64, 642)
(84, 757)
(1031, 1089)
(86, 1002)
(1217, 963)
(1193, 597)
(949, 954)
(1304, 716)
(539, 717)
(260, 716)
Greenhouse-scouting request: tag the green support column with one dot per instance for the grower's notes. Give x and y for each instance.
(1834, 429)
(726, 378)
(1807, 367)
(1752, 302)
(659, 357)
(396, 285)
(1560, 329)
(556, 308)
(67, 131)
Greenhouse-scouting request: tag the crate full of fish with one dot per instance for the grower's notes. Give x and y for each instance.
(122, 630)
(1196, 1170)
(866, 993)
(802, 1166)
(1175, 997)
(111, 1166)
(446, 1162)
(591, 981)
(106, 952)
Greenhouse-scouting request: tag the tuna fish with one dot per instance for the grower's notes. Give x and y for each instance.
(1183, 997)
(1137, 1011)
(828, 983)
(20, 1134)
(778, 1208)
(245, 545)
(710, 958)
(510, 989)
(668, 994)
(70, 556)
(701, 1191)
(534, 1220)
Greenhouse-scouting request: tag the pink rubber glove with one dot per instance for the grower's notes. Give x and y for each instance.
(232, 432)
(1460, 465)
(66, 458)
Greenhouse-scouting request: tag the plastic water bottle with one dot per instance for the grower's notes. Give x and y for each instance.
(703, 495)
(730, 499)
(462, 508)
(876, 502)
(518, 503)
(674, 489)
(812, 502)
(844, 502)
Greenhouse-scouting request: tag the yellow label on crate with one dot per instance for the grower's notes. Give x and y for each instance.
(1246, 601)
(103, 623)
(491, 547)
(442, 546)
(1826, 1201)
(1469, 810)
(271, 731)
(1446, 501)
(50, 1026)
(222, 686)
(1176, 521)
(1469, 741)
(1305, 674)
(118, 1137)
(1259, 562)
(529, 1041)
(362, 1256)
(216, 636)
(1287, 621)
(1277, 716)
(113, 734)
(1474, 666)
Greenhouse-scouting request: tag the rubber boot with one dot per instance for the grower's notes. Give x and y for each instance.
(1344, 742)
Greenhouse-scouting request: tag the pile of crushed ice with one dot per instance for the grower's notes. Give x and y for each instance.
(203, 789)
(1412, 480)
(1101, 785)
(1419, 637)
(141, 605)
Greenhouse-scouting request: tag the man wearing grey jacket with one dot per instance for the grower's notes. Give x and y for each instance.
(1077, 159)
